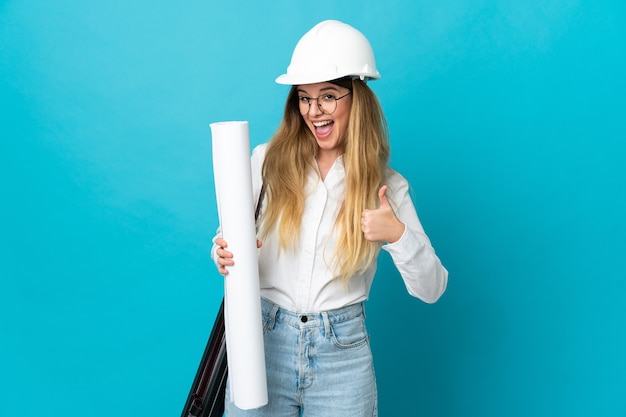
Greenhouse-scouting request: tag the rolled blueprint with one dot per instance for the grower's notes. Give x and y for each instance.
(242, 299)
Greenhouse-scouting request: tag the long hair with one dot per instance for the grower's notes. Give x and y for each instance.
(291, 154)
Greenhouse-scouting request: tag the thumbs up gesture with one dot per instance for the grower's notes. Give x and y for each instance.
(381, 224)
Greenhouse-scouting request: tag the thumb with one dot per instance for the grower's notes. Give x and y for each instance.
(382, 197)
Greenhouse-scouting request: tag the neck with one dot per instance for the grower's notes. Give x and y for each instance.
(325, 160)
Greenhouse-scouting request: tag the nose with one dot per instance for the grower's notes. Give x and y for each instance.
(314, 108)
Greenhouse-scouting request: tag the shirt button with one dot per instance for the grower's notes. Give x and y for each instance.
(304, 319)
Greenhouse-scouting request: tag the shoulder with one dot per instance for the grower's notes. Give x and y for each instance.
(399, 190)
(256, 160)
(259, 151)
(258, 154)
(396, 182)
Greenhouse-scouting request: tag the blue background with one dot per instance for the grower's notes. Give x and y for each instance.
(507, 117)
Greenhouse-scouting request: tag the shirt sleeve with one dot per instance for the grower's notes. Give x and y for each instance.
(413, 255)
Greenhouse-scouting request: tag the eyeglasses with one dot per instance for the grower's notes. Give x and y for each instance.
(327, 103)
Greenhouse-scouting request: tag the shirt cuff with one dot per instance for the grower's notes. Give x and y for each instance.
(405, 248)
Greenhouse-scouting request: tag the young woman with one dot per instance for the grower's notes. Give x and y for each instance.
(330, 204)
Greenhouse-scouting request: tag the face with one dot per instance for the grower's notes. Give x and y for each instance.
(328, 129)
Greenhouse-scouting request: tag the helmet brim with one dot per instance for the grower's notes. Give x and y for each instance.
(302, 79)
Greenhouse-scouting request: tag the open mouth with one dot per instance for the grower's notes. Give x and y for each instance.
(323, 128)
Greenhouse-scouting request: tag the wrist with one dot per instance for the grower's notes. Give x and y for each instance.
(398, 232)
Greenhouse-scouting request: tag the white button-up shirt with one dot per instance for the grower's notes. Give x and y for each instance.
(303, 279)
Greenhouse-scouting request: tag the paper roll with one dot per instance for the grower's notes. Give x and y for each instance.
(242, 299)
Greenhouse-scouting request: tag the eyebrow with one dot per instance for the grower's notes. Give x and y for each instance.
(333, 88)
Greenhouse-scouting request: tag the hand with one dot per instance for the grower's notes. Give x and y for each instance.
(381, 224)
(225, 258)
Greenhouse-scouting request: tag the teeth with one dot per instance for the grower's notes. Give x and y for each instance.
(323, 123)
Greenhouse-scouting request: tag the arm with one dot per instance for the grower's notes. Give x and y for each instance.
(397, 223)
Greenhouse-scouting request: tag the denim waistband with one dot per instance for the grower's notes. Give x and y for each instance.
(299, 320)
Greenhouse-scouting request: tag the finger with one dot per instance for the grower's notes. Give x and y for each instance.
(225, 262)
(365, 221)
(223, 253)
(221, 242)
(366, 218)
(259, 244)
(382, 197)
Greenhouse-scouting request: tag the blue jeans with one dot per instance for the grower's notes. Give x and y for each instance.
(318, 365)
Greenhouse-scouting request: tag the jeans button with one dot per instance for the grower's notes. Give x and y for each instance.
(304, 319)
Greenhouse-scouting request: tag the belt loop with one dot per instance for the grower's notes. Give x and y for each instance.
(326, 324)
(273, 315)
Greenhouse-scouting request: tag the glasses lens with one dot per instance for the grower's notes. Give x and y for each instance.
(328, 103)
(303, 103)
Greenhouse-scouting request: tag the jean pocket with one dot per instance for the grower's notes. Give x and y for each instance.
(349, 334)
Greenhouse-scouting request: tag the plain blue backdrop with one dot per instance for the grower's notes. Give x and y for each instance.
(507, 117)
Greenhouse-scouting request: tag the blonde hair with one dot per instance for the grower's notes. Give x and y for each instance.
(291, 154)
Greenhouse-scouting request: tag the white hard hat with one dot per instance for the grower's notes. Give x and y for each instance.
(330, 50)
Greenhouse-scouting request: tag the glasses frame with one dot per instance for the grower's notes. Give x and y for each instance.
(319, 104)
